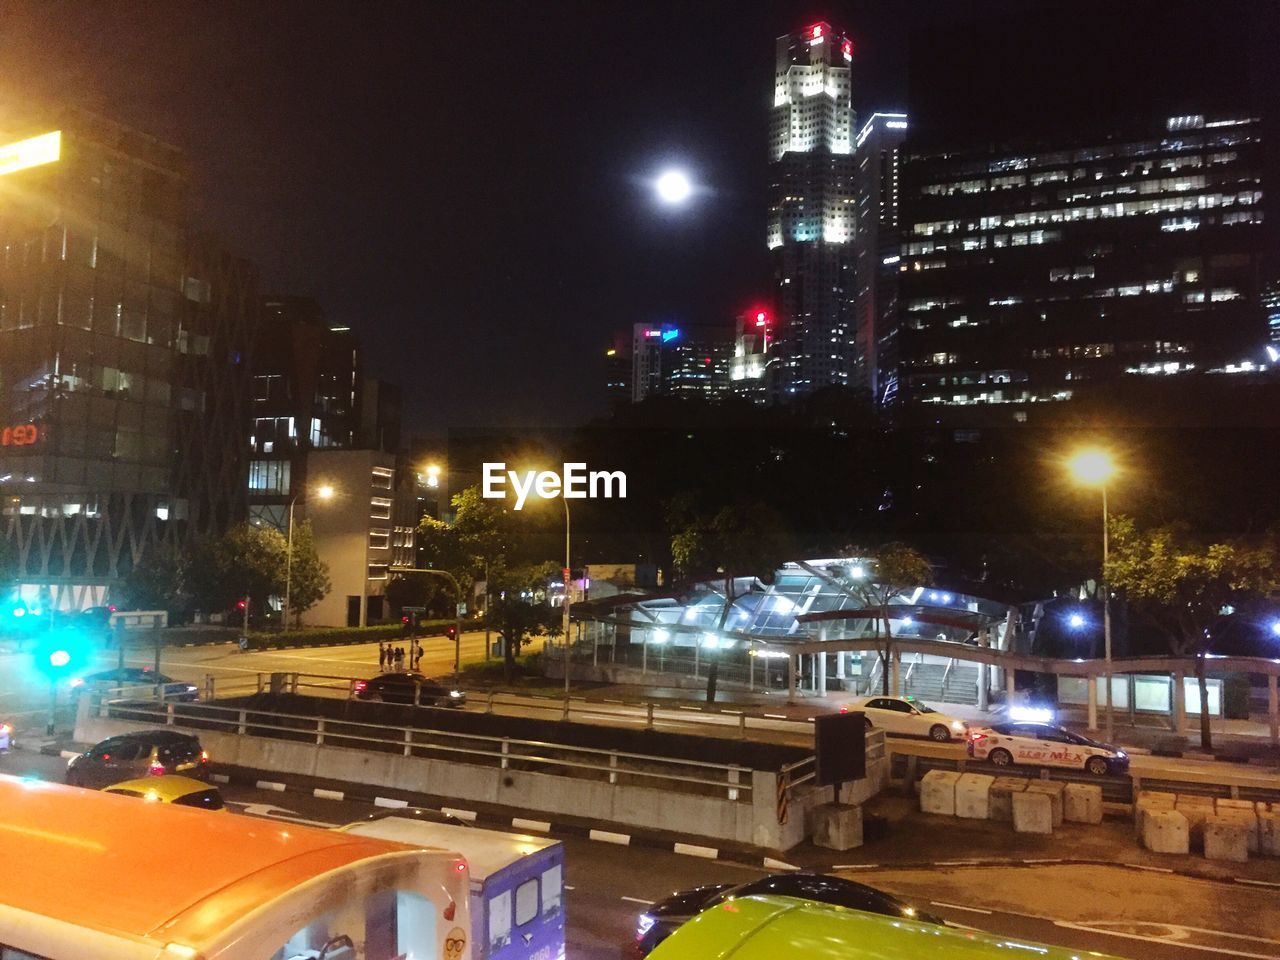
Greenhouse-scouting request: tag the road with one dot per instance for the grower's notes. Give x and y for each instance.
(1146, 917)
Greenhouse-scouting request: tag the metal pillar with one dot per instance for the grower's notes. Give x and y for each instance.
(1273, 708)
(791, 677)
(840, 675)
(644, 655)
(1093, 702)
(1179, 704)
(895, 661)
(1010, 688)
(751, 673)
(820, 674)
(984, 678)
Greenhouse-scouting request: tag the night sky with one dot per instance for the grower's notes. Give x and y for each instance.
(466, 184)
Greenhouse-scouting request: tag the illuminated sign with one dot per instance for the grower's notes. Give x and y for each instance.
(848, 50)
(816, 32)
(670, 334)
(31, 152)
(22, 435)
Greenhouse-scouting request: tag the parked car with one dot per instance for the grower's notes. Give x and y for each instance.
(135, 681)
(7, 739)
(908, 716)
(661, 919)
(146, 753)
(1044, 745)
(399, 688)
(171, 788)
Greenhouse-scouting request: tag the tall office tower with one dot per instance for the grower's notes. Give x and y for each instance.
(877, 154)
(687, 361)
(1035, 271)
(124, 344)
(750, 355)
(811, 212)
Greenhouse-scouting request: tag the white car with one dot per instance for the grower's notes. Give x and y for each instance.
(907, 715)
(1044, 745)
(6, 737)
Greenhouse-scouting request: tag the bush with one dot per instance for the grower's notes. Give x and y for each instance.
(335, 636)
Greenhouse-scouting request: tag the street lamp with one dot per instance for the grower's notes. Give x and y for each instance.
(1095, 467)
(323, 492)
(673, 187)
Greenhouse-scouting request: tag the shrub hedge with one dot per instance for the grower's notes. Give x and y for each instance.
(335, 636)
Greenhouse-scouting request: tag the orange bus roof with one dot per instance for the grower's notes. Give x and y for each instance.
(109, 863)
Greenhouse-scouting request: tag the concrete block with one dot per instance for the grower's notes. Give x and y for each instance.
(1247, 819)
(837, 826)
(1000, 797)
(1226, 838)
(1053, 789)
(1269, 833)
(938, 792)
(1032, 812)
(1226, 803)
(1151, 800)
(1197, 810)
(973, 796)
(1082, 803)
(1165, 831)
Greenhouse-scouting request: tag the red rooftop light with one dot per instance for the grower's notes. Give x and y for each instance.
(848, 48)
(817, 31)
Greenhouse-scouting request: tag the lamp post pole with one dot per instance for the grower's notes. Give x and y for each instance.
(288, 565)
(1106, 613)
(568, 574)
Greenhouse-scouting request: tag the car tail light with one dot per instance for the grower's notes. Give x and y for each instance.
(204, 756)
(976, 737)
(156, 770)
(460, 866)
(844, 709)
(360, 685)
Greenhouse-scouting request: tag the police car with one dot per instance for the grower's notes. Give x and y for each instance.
(1044, 745)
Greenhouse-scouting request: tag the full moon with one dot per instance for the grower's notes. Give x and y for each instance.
(674, 187)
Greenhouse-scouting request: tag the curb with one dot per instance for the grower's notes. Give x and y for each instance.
(524, 824)
(1056, 862)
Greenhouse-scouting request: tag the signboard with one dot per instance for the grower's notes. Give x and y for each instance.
(840, 748)
(22, 435)
(32, 152)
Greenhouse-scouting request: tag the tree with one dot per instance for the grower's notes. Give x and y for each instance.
(889, 571)
(420, 590)
(1180, 584)
(309, 575)
(246, 561)
(516, 612)
(158, 582)
(741, 539)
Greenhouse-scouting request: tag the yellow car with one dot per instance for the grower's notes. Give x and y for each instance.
(180, 791)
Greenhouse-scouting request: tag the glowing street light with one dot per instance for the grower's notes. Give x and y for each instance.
(673, 187)
(1095, 467)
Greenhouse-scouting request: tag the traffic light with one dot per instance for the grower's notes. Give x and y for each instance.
(451, 632)
(60, 654)
(241, 604)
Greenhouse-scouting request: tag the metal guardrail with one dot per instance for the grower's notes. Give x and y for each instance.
(504, 752)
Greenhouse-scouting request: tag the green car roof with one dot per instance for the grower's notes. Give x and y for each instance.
(782, 928)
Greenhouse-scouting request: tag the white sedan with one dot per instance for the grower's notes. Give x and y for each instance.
(907, 715)
(1044, 745)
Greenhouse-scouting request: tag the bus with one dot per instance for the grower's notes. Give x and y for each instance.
(771, 927)
(517, 882)
(85, 874)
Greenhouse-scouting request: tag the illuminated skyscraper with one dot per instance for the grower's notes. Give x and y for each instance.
(811, 212)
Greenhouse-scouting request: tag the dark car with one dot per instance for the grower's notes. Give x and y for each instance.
(662, 918)
(400, 687)
(135, 682)
(132, 755)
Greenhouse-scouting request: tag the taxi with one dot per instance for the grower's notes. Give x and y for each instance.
(171, 788)
(1044, 745)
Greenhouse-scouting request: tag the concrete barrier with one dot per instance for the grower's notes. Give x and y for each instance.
(1000, 798)
(1053, 790)
(1197, 810)
(1151, 800)
(938, 792)
(1082, 803)
(1165, 831)
(1226, 838)
(972, 796)
(1269, 833)
(1032, 812)
(1247, 818)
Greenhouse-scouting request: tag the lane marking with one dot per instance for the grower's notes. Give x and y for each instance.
(320, 794)
(637, 900)
(219, 778)
(270, 785)
(540, 825)
(391, 802)
(1047, 860)
(856, 866)
(693, 850)
(606, 837)
(957, 863)
(956, 906)
(1256, 883)
(1169, 942)
(1150, 869)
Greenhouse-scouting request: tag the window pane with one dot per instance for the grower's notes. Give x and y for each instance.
(551, 886)
(526, 902)
(500, 920)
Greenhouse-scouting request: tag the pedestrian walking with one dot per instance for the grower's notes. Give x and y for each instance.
(382, 656)
(399, 658)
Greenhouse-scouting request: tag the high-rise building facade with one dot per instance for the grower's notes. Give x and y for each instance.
(1031, 271)
(681, 361)
(811, 217)
(124, 350)
(877, 182)
(751, 343)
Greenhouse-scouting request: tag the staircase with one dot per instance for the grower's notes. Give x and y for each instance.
(932, 682)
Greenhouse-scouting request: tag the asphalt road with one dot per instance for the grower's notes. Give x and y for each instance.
(1103, 908)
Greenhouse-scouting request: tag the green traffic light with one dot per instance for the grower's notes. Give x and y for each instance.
(59, 658)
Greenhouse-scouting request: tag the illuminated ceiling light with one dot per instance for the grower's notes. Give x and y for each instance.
(32, 152)
(674, 187)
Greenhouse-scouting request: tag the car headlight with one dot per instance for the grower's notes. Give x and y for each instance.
(1121, 754)
(455, 693)
(191, 688)
(957, 726)
(644, 923)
